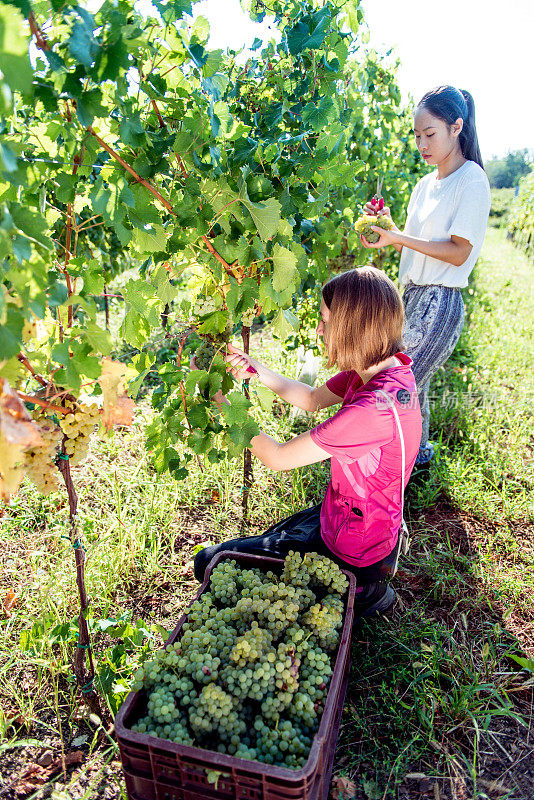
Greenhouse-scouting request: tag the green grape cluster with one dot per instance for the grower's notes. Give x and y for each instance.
(78, 426)
(251, 645)
(203, 306)
(224, 584)
(210, 347)
(39, 461)
(250, 674)
(216, 712)
(205, 354)
(323, 620)
(285, 744)
(363, 224)
(314, 570)
(248, 317)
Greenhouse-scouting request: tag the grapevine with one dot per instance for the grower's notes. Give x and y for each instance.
(253, 665)
(212, 194)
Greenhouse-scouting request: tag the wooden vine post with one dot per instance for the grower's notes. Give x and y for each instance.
(83, 665)
(248, 475)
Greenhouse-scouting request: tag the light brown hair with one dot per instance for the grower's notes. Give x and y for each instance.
(366, 318)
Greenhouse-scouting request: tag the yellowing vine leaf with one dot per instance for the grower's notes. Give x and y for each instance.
(17, 432)
(122, 413)
(117, 407)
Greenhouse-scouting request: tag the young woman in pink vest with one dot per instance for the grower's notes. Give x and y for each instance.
(372, 440)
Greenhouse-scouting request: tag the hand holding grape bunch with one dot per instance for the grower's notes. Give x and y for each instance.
(375, 223)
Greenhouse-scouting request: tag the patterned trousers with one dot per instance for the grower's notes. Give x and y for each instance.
(435, 316)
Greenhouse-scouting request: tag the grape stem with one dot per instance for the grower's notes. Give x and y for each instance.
(28, 398)
(39, 378)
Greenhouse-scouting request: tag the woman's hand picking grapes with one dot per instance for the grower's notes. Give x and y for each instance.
(385, 237)
(373, 210)
(239, 363)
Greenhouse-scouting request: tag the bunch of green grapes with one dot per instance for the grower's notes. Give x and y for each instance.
(296, 570)
(251, 645)
(78, 425)
(363, 224)
(251, 681)
(205, 353)
(248, 317)
(203, 306)
(39, 461)
(304, 709)
(249, 676)
(161, 706)
(274, 615)
(284, 744)
(313, 570)
(324, 621)
(174, 732)
(315, 664)
(224, 582)
(200, 611)
(325, 573)
(250, 580)
(216, 711)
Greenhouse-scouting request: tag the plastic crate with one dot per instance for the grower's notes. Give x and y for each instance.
(157, 769)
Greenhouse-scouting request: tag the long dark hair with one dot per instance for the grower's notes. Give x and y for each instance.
(448, 103)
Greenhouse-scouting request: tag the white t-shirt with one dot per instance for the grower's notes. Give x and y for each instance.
(457, 205)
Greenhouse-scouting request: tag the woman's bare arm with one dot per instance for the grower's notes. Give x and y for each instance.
(301, 395)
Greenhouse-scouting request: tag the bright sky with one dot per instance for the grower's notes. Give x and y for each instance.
(479, 45)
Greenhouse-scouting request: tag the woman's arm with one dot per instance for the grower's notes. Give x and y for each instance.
(308, 398)
(281, 456)
(453, 251)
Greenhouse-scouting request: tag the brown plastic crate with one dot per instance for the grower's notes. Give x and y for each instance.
(157, 769)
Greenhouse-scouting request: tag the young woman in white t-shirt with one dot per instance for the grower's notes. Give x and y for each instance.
(445, 226)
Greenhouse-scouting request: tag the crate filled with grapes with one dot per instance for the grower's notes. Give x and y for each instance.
(245, 699)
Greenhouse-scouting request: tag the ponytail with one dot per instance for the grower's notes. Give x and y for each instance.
(468, 135)
(449, 104)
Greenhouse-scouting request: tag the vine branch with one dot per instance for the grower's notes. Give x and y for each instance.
(39, 378)
(165, 203)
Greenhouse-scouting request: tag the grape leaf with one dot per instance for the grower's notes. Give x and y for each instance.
(149, 241)
(98, 338)
(14, 59)
(319, 115)
(113, 380)
(240, 436)
(299, 37)
(266, 216)
(285, 267)
(82, 44)
(235, 411)
(284, 323)
(265, 397)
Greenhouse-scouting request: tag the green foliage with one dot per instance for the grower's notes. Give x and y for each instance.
(501, 203)
(134, 154)
(521, 221)
(507, 172)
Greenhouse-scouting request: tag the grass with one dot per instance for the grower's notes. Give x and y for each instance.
(436, 703)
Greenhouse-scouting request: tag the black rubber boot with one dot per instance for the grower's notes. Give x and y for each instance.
(376, 598)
